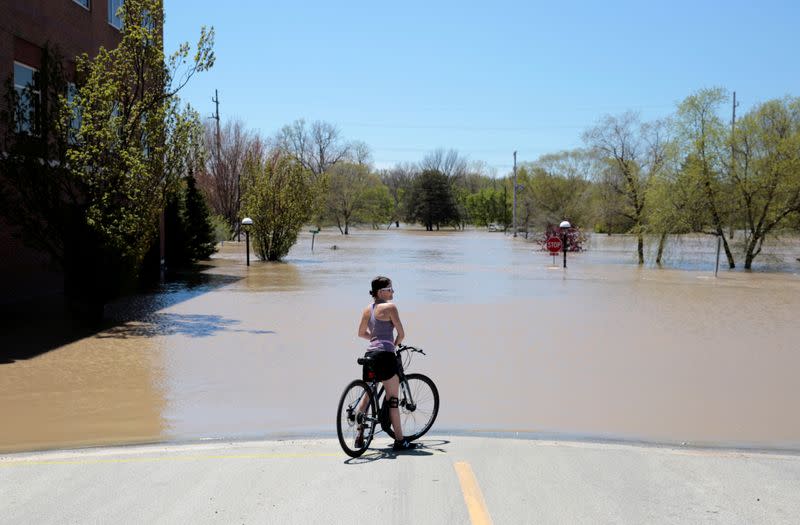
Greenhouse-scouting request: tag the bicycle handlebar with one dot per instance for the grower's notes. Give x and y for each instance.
(402, 347)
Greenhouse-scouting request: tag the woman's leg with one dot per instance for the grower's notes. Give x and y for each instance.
(392, 386)
(361, 408)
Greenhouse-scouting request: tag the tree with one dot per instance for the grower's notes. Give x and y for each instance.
(220, 178)
(359, 153)
(109, 157)
(347, 183)
(705, 145)
(377, 206)
(487, 206)
(557, 186)
(450, 163)
(317, 147)
(676, 204)
(633, 153)
(767, 175)
(278, 198)
(431, 201)
(40, 198)
(199, 229)
(398, 181)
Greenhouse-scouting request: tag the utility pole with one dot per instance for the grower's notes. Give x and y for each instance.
(733, 153)
(514, 212)
(215, 116)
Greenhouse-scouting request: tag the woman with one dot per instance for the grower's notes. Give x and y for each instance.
(378, 323)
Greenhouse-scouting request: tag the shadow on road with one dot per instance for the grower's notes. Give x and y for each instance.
(34, 327)
(170, 324)
(429, 448)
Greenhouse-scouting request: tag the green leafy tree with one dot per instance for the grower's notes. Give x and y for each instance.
(108, 157)
(277, 195)
(200, 238)
(431, 201)
(558, 186)
(176, 249)
(40, 198)
(676, 201)
(377, 206)
(488, 206)
(346, 185)
(633, 153)
(767, 177)
(705, 145)
(399, 180)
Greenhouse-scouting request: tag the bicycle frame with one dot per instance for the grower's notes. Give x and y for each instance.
(407, 399)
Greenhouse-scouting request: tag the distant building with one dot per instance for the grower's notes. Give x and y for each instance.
(75, 27)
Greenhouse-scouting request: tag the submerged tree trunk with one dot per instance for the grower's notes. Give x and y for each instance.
(661, 242)
(640, 247)
(725, 245)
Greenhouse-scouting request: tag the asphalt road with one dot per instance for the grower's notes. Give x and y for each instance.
(453, 479)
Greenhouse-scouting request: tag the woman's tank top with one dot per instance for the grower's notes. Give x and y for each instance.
(382, 333)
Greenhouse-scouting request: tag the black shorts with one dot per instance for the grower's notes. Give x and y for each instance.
(383, 365)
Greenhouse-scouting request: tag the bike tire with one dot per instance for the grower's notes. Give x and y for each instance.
(426, 397)
(346, 418)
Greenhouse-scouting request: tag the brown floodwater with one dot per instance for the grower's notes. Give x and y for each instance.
(516, 344)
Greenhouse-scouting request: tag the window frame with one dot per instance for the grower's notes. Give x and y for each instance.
(112, 16)
(86, 4)
(77, 115)
(21, 92)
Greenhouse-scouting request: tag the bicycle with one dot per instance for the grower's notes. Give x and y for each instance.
(418, 405)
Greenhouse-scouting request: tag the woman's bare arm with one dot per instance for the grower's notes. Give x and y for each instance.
(394, 315)
(363, 327)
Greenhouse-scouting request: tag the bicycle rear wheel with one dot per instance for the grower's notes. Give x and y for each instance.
(416, 419)
(350, 419)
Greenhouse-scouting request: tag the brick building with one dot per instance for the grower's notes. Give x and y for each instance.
(76, 27)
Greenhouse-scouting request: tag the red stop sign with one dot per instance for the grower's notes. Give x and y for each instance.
(553, 244)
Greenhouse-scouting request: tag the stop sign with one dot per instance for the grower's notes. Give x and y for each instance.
(553, 244)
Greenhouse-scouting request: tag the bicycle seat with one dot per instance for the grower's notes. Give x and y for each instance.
(364, 360)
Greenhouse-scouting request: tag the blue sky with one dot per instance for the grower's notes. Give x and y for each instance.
(483, 78)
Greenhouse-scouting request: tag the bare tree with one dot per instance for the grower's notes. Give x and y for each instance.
(557, 186)
(399, 180)
(360, 153)
(317, 147)
(449, 163)
(223, 168)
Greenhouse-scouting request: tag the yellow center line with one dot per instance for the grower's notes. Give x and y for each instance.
(21, 463)
(478, 514)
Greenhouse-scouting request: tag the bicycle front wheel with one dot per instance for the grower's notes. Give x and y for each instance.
(355, 418)
(418, 417)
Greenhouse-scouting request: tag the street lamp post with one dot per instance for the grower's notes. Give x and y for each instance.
(565, 225)
(246, 223)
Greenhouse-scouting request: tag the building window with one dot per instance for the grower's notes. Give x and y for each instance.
(77, 116)
(26, 84)
(84, 3)
(114, 17)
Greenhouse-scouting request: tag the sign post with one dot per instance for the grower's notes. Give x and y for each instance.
(553, 246)
(313, 233)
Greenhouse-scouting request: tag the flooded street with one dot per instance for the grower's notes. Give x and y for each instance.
(602, 350)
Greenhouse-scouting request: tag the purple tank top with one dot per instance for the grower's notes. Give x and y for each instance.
(382, 333)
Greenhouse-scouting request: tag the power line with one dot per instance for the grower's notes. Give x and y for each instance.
(466, 128)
